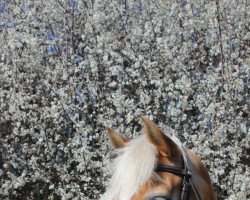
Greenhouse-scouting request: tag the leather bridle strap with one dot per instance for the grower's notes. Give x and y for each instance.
(186, 183)
(195, 190)
(172, 169)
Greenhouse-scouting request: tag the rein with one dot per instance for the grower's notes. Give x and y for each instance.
(186, 183)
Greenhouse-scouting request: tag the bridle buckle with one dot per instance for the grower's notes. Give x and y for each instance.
(185, 186)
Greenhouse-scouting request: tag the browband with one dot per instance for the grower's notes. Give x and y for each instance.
(172, 169)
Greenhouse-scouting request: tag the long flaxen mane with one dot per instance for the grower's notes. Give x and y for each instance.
(133, 167)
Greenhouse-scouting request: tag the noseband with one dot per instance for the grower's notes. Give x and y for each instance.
(186, 182)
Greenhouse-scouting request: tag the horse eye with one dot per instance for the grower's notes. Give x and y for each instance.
(160, 198)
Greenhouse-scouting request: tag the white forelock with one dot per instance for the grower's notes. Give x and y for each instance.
(133, 167)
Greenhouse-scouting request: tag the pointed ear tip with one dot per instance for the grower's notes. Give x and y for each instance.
(144, 118)
(110, 130)
(146, 121)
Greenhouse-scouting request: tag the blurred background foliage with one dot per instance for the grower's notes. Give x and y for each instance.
(70, 68)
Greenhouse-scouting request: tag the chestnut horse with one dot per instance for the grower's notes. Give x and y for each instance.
(155, 166)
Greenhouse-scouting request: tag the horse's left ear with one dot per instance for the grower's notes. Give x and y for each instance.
(164, 144)
(116, 139)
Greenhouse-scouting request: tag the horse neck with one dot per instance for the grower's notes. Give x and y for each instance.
(200, 177)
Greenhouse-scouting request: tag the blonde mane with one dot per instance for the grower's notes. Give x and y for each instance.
(132, 168)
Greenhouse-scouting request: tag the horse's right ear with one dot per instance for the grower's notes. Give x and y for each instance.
(116, 139)
(164, 144)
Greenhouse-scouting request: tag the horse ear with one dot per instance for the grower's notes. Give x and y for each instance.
(116, 140)
(165, 146)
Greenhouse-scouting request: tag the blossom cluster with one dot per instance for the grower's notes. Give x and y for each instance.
(69, 69)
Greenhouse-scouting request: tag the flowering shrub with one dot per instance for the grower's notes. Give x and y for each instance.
(71, 68)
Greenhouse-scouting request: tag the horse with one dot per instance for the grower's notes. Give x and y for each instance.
(156, 166)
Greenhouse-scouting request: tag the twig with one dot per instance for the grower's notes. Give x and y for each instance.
(220, 36)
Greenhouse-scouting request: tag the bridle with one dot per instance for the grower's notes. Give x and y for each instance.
(186, 182)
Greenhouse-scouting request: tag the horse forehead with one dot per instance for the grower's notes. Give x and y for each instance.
(167, 184)
(150, 192)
